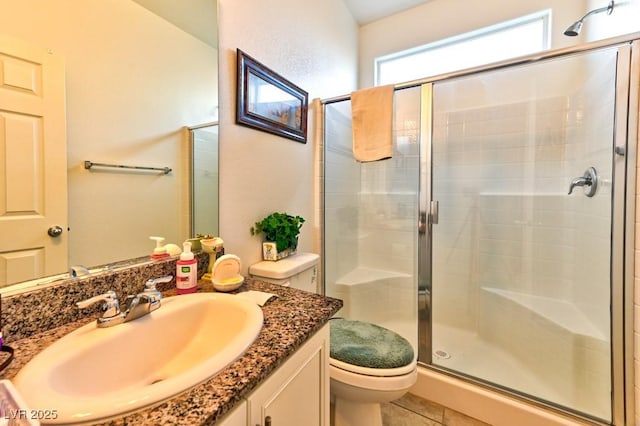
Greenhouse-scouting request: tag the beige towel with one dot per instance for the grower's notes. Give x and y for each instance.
(372, 116)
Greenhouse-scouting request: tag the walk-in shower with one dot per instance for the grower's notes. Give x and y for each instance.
(497, 238)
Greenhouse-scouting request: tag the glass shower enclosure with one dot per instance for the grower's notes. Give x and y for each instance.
(494, 238)
(521, 288)
(370, 242)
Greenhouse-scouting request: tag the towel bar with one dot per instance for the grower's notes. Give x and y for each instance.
(89, 164)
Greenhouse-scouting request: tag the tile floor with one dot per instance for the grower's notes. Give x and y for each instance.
(411, 410)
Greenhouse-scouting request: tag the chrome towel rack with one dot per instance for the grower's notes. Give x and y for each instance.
(89, 164)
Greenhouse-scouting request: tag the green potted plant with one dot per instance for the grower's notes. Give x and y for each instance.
(281, 232)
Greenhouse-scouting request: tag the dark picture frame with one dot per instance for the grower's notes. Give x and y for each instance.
(269, 102)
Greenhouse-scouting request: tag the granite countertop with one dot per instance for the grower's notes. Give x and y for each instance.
(289, 320)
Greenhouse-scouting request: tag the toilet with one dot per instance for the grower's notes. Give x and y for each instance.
(298, 271)
(369, 364)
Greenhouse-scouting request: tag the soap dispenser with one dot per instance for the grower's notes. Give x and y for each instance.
(159, 252)
(186, 271)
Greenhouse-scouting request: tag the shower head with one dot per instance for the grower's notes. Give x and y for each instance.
(575, 28)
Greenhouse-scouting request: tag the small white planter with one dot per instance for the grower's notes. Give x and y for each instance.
(270, 251)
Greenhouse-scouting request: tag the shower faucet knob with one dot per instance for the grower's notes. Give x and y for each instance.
(589, 180)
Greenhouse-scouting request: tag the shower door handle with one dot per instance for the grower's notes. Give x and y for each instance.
(589, 181)
(434, 212)
(422, 222)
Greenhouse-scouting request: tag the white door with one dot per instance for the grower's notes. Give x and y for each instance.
(33, 169)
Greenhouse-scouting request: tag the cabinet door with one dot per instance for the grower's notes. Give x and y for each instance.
(237, 416)
(298, 392)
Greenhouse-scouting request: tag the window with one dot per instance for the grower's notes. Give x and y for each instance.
(518, 37)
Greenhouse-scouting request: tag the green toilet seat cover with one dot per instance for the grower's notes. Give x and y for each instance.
(368, 345)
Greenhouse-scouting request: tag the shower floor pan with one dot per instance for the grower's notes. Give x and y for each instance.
(537, 346)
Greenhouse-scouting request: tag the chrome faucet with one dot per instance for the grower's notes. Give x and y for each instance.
(137, 305)
(111, 314)
(150, 287)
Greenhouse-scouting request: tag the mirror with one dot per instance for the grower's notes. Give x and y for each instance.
(137, 75)
(204, 179)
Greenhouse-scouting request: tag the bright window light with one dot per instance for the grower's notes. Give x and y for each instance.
(519, 37)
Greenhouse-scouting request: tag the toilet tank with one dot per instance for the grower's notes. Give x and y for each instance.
(298, 271)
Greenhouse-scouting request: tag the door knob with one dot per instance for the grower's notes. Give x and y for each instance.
(54, 231)
(589, 181)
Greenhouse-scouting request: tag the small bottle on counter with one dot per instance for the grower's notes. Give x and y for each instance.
(186, 271)
(160, 251)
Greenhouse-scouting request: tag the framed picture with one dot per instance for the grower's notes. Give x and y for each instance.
(269, 102)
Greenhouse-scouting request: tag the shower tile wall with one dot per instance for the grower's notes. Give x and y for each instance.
(489, 144)
(502, 191)
(389, 195)
(342, 186)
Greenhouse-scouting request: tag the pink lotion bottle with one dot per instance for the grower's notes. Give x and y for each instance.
(186, 271)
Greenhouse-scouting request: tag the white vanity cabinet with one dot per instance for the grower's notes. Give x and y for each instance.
(237, 416)
(297, 393)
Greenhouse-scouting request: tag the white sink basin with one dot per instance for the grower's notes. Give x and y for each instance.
(99, 373)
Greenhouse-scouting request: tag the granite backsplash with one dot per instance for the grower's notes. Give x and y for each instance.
(42, 309)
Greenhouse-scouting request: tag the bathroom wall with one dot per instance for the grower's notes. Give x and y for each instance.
(119, 55)
(311, 43)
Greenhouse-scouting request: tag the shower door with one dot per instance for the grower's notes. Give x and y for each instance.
(521, 268)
